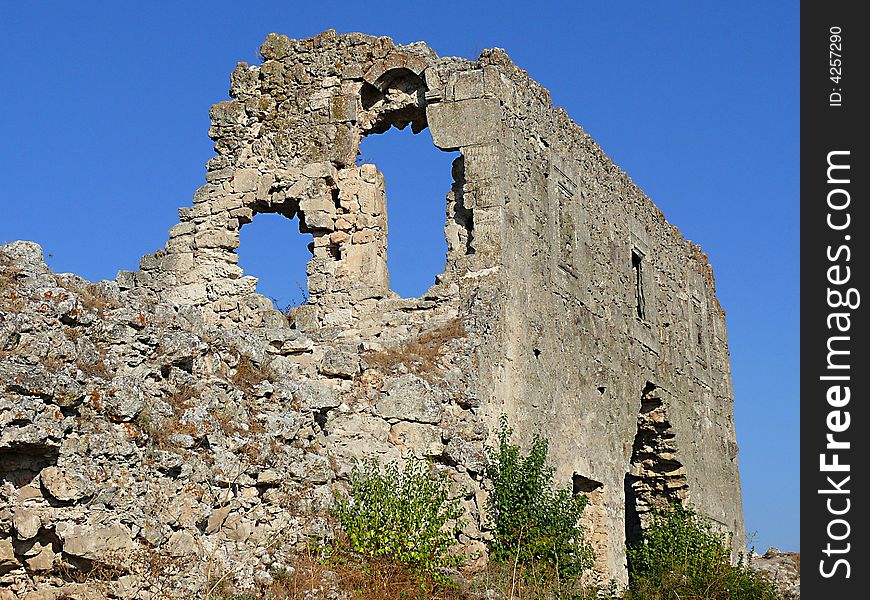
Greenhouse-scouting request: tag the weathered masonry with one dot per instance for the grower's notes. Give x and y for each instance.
(592, 319)
(567, 302)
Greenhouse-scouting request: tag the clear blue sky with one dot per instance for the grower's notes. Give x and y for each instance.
(104, 113)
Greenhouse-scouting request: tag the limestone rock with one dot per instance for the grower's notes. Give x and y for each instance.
(70, 591)
(42, 560)
(31, 426)
(216, 519)
(783, 568)
(123, 398)
(423, 440)
(26, 523)
(7, 554)
(315, 396)
(340, 363)
(410, 398)
(64, 485)
(462, 452)
(96, 543)
(182, 544)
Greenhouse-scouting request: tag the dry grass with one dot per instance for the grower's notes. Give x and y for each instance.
(376, 580)
(529, 582)
(313, 579)
(248, 374)
(98, 368)
(90, 298)
(259, 448)
(259, 451)
(150, 569)
(310, 577)
(182, 398)
(52, 362)
(421, 354)
(230, 425)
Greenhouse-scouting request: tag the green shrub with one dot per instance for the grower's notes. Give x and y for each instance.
(682, 556)
(532, 522)
(404, 516)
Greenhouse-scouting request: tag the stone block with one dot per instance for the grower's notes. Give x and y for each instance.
(217, 239)
(181, 229)
(191, 293)
(464, 123)
(363, 237)
(484, 163)
(320, 220)
(96, 543)
(7, 555)
(423, 441)
(315, 396)
(339, 362)
(64, 485)
(178, 245)
(339, 317)
(246, 180)
(182, 544)
(319, 170)
(306, 317)
(466, 85)
(343, 109)
(43, 559)
(410, 398)
(178, 262)
(26, 523)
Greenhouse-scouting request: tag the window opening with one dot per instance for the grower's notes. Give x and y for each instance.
(417, 177)
(637, 269)
(272, 249)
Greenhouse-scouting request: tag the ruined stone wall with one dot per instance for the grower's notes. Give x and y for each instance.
(591, 298)
(567, 302)
(615, 343)
(287, 143)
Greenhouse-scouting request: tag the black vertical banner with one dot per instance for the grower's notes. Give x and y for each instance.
(835, 363)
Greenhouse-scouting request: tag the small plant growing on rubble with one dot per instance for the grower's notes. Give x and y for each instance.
(681, 555)
(533, 523)
(401, 515)
(248, 374)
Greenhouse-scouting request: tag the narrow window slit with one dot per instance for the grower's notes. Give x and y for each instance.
(637, 268)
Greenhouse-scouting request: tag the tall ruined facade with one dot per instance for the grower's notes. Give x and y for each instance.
(567, 301)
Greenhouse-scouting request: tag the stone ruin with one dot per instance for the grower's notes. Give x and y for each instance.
(175, 411)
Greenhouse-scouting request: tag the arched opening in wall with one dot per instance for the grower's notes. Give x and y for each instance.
(418, 177)
(655, 476)
(272, 249)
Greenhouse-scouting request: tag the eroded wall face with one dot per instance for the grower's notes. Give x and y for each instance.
(609, 311)
(575, 293)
